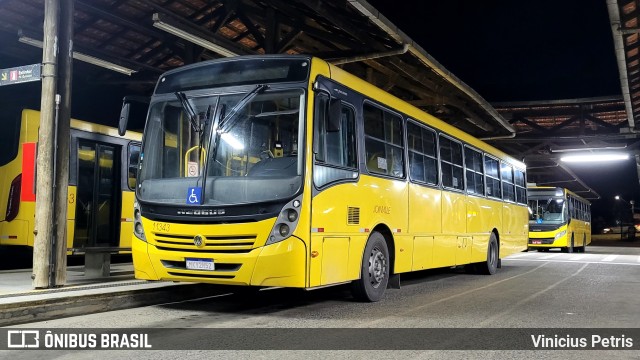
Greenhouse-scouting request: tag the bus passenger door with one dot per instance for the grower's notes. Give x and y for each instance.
(97, 220)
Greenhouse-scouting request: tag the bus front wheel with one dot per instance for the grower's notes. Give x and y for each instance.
(490, 266)
(374, 272)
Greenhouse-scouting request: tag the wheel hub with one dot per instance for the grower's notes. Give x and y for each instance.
(377, 267)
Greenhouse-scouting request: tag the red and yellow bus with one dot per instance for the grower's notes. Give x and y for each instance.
(102, 172)
(288, 171)
(558, 218)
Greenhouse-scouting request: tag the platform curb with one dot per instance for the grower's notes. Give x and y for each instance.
(22, 312)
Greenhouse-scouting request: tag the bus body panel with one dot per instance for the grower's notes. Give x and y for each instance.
(377, 202)
(514, 234)
(483, 216)
(126, 220)
(425, 221)
(20, 230)
(16, 232)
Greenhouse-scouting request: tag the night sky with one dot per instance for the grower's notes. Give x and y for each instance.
(527, 50)
(516, 50)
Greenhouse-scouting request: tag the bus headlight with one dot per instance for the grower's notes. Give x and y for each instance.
(561, 234)
(286, 222)
(284, 230)
(138, 230)
(292, 215)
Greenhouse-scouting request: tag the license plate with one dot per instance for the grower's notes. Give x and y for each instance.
(536, 242)
(200, 264)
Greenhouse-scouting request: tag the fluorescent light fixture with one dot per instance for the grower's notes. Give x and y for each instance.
(82, 57)
(231, 140)
(594, 157)
(183, 34)
(610, 147)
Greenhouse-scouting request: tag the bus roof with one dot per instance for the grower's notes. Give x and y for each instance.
(551, 190)
(90, 127)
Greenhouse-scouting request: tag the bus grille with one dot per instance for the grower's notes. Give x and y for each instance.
(212, 245)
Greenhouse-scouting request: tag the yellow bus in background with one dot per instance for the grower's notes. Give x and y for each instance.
(288, 171)
(102, 172)
(558, 218)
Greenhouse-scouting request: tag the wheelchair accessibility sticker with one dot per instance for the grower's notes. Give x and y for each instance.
(193, 196)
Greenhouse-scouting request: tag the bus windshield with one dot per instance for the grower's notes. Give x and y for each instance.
(227, 149)
(547, 211)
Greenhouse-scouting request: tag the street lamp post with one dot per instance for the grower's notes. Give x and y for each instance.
(631, 232)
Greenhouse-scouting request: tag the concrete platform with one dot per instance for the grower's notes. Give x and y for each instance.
(20, 303)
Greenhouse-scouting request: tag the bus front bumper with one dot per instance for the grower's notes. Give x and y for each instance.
(541, 243)
(279, 264)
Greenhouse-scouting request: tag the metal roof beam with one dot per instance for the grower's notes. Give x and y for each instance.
(109, 15)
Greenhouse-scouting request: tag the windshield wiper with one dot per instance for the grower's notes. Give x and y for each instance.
(241, 104)
(191, 113)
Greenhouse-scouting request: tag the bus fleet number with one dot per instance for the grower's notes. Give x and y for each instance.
(158, 226)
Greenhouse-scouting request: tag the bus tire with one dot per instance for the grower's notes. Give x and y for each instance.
(571, 247)
(374, 271)
(490, 266)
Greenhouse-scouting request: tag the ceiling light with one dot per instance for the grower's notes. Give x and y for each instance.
(184, 34)
(567, 149)
(82, 57)
(594, 157)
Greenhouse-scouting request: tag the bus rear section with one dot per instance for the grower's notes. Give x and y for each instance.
(102, 174)
(558, 219)
(17, 177)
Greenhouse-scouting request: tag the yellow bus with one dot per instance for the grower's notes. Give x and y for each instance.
(102, 171)
(288, 171)
(558, 218)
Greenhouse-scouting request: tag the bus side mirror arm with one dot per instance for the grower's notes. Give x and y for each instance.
(126, 108)
(124, 118)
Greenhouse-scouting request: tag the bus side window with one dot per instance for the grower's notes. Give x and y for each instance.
(423, 155)
(384, 146)
(451, 163)
(508, 187)
(492, 177)
(475, 174)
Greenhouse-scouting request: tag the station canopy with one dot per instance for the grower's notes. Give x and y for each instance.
(134, 41)
(147, 37)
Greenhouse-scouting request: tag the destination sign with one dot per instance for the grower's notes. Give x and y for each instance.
(20, 74)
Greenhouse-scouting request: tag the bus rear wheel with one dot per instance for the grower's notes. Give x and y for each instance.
(583, 248)
(490, 266)
(374, 272)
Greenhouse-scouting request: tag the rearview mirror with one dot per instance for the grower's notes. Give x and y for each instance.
(124, 118)
(127, 107)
